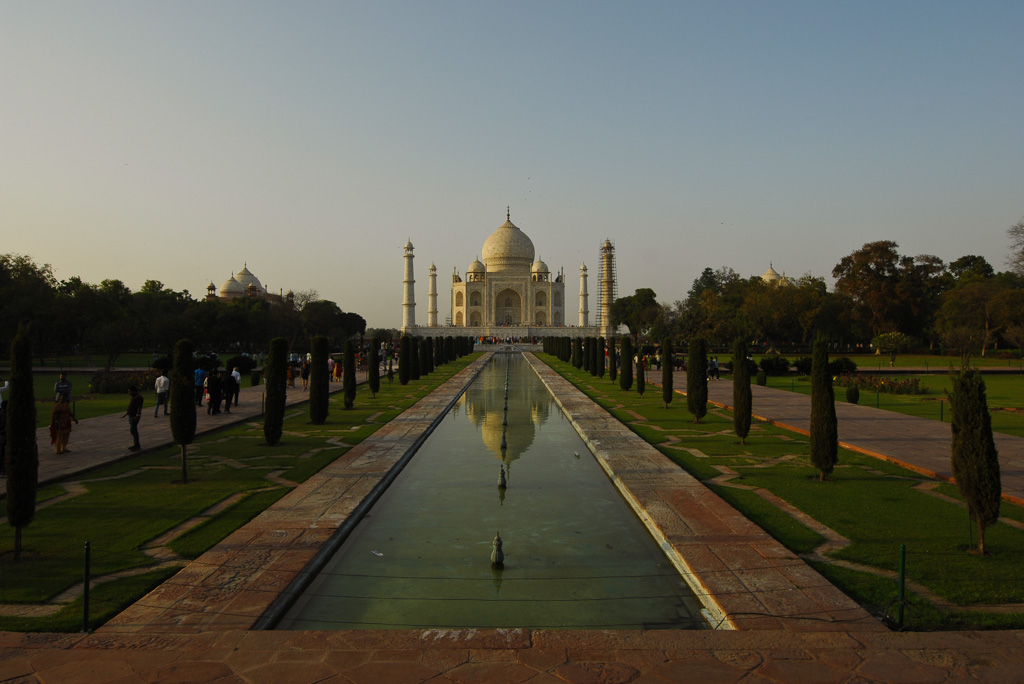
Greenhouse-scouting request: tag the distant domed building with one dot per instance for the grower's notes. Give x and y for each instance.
(771, 276)
(245, 284)
(511, 292)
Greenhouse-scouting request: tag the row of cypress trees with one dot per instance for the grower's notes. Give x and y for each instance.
(418, 356)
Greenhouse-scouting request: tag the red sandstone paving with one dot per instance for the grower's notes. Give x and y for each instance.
(774, 650)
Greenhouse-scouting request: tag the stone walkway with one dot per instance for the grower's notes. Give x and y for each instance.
(196, 626)
(917, 443)
(105, 439)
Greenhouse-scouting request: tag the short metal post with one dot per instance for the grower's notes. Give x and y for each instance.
(903, 575)
(85, 591)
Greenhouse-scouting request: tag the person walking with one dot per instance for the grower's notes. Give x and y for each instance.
(237, 375)
(229, 388)
(304, 373)
(62, 387)
(214, 390)
(163, 393)
(200, 376)
(134, 414)
(60, 424)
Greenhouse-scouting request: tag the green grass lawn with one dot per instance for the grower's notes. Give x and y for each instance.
(873, 503)
(128, 504)
(1005, 398)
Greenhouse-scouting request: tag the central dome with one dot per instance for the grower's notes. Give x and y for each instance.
(508, 248)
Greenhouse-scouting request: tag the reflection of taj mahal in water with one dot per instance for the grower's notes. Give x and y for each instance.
(511, 295)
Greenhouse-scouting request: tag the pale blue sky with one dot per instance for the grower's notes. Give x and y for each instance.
(179, 140)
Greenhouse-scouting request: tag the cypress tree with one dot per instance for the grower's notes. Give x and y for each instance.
(438, 352)
(641, 374)
(404, 352)
(348, 374)
(697, 379)
(277, 377)
(600, 357)
(319, 389)
(626, 376)
(414, 358)
(183, 400)
(666, 371)
(975, 461)
(613, 369)
(824, 426)
(577, 352)
(22, 450)
(427, 352)
(373, 370)
(449, 349)
(588, 353)
(742, 401)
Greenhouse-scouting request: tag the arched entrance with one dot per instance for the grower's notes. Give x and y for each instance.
(508, 308)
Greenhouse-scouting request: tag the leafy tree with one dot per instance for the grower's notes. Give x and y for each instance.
(276, 372)
(666, 371)
(27, 294)
(638, 312)
(742, 401)
(985, 305)
(22, 452)
(404, 360)
(612, 362)
(824, 426)
(697, 379)
(970, 268)
(319, 381)
(964, 341)
(626, 376)
(890, 344)
(975, 461)
(348, 374)
(183, 401)
(373, 370)
(1015, 260)
(888, 291)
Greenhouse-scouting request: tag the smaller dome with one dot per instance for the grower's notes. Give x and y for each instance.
(771, 275)
(539, 267)
(408, 245)
(475, 267)
(232, 288)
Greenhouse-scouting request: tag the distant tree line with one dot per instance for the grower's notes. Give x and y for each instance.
(105, 320)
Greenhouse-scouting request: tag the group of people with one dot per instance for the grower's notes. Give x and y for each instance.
(714, 372)
(217, 388)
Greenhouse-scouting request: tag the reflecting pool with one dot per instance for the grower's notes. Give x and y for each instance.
(575, 555)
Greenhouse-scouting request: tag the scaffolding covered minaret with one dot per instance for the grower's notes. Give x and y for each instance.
(608, 289)
(584, 310)
(432, 298)
(409, 298)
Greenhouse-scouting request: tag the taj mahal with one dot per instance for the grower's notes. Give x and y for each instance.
(510, 294)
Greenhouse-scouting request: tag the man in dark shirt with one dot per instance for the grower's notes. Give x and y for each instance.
(134, 414)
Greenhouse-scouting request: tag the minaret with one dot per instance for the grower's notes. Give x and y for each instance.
(607, 287)
(584, 311)
(432, 298)
(409, 300)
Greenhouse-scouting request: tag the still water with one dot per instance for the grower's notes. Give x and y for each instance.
(576, 556)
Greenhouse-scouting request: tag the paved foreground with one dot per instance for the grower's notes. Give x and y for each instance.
(790, 626)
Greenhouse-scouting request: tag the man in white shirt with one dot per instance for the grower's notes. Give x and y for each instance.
(163, 393)
(238, 384)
